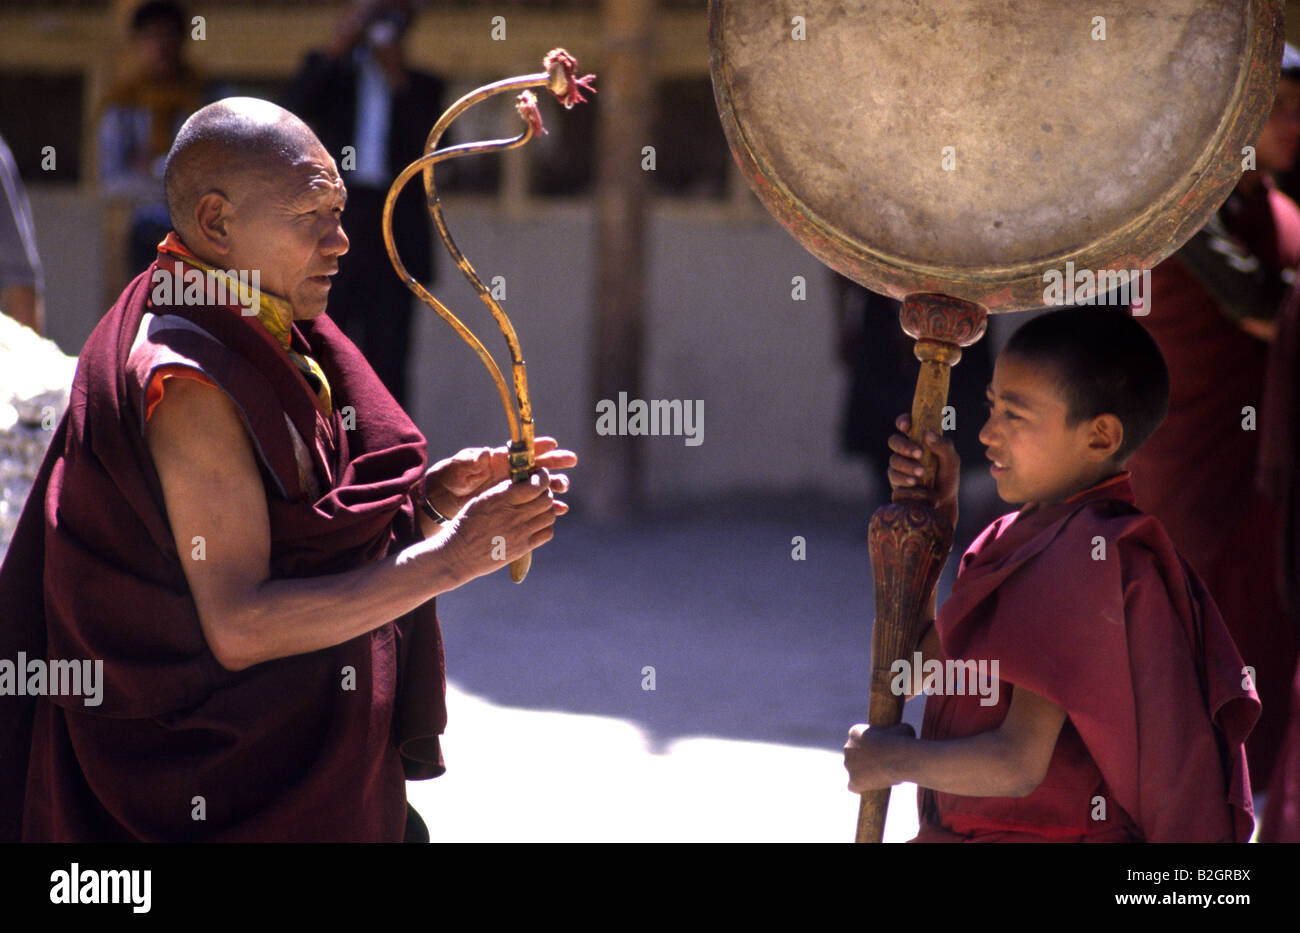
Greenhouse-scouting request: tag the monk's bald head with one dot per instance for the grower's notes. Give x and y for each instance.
(250, 188)
(236, 146)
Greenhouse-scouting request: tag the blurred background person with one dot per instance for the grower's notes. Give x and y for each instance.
(139, 116)
(359, 92)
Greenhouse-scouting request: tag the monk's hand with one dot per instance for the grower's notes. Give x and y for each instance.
(452, 482)
(906, 466)
(873, 756)
(474, 470)
(500, 525)
(550, 457)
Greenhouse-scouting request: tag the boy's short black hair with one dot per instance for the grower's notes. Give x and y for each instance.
(1106, 363)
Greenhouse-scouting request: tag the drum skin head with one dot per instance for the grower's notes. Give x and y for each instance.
(967, 147)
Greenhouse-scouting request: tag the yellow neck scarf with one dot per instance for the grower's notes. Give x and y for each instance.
(273, 313)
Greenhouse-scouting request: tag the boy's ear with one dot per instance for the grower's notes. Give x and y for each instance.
(1104, 437)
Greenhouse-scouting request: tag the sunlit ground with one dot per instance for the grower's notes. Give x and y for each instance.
(527, 776)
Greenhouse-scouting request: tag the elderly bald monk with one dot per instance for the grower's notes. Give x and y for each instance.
(219, 602)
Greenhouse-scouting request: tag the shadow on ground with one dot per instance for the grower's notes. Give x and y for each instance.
(745, 641)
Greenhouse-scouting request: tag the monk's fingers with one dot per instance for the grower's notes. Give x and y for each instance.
(559, 483)
(534, 521)
(538, 484)
(541, 536)
(470, 456)
(548, 507)
(855, 736)
(550, 446)
(531, 497)
(557, 459)
(903, 422)
(541, 510)
(482, 466)
(474, 470)
(536, 512)
(526, 524)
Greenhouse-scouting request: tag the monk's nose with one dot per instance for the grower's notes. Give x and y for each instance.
(337, 243)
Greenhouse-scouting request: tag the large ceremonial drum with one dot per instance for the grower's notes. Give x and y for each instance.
(966, 147)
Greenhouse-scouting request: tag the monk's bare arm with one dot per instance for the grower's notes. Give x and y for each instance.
(213, 492)
(1009, 761)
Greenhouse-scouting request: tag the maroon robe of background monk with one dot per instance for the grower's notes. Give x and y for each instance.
(1213, 307)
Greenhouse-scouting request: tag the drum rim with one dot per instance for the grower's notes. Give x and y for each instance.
(1152, 235)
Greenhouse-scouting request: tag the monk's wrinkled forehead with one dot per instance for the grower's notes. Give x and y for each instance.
(293, 185)
(310, 179)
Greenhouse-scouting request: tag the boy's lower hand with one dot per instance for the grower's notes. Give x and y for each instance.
(906, 466)
(872, 756)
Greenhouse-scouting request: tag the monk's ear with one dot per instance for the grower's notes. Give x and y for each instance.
(1105, 435)
(212, 215)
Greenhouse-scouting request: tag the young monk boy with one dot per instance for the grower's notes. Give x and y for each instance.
(1122, 705)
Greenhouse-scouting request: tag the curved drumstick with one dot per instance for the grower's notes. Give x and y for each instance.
(559, 78)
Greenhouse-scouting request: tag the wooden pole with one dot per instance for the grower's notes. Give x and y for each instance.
(624, 107)
(908, 539)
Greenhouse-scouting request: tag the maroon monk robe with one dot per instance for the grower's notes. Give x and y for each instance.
(1134, 650)
(1281, 821)
(1280, 474)
(312, 747)
(1197, 472)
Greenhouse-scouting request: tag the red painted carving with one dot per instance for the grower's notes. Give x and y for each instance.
(943, 318)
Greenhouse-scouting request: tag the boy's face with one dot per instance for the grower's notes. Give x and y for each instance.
(1037, 455)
